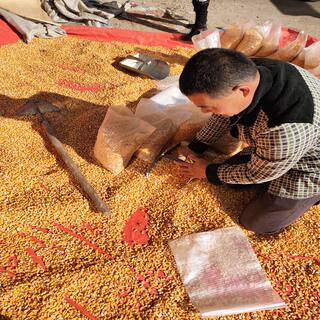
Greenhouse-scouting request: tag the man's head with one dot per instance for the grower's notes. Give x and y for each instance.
(220, 81)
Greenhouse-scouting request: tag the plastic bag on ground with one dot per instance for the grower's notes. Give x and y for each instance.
(312, 56)
(251, 41)
(292, 49)
(299, 59)
(120, 135)
(309, 57)
(221, 273)
(231, 36)
(207, 39)
(270, 43)
(315, 71)
(152, 113)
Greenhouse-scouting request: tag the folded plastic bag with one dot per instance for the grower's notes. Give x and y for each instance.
(270, 43)
(152, 113)
(221, 273)
(207, 39)
(120, 135)
(292, 49)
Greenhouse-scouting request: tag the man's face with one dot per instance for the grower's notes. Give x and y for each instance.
(227, 105)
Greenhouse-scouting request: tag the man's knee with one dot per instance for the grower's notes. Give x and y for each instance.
(253, 223)
(262, 215)
(269, 214)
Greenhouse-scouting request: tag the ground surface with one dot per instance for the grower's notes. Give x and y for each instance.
(292, 13)
(57, 250)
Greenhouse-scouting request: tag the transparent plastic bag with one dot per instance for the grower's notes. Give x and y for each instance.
(152, 113)
(299, 59)
(270, 43)
(221, 273)
(315, 71)
(188, 129)
(309, 57)
(251, 41)
(312, 56)
(207, 39)
(231, 36)
(292, 49)
(253, 37)
(120, 135)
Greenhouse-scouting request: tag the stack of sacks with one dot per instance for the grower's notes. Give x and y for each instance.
(263, 41)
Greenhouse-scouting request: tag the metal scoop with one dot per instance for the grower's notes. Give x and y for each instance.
(153, 68)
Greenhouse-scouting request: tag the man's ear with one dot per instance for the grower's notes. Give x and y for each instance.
(244, 90)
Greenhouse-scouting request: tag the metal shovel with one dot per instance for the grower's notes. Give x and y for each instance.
(40, 107)
(151, 67)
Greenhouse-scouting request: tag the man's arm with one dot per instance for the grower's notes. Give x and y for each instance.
(213, 130)
(277, 151)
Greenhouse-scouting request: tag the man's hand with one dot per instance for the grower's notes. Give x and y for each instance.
(196, 169)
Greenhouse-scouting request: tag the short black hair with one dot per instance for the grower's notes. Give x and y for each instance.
(214, 71)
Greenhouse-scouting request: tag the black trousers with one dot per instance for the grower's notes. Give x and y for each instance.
(201, 9)
(269, 214)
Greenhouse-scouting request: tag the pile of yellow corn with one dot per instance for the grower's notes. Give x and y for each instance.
(59, 258)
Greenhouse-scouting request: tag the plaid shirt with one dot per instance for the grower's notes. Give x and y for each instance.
(287, 155)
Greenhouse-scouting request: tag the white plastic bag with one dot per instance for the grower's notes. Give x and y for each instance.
(120, 135)
(221, 273)
(178, 106)
(185, 115)
(207, 39)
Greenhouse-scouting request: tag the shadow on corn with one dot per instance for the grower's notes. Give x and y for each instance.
(75, 125)
(173, 58)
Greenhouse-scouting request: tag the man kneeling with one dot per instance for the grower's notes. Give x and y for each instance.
(272, 106)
